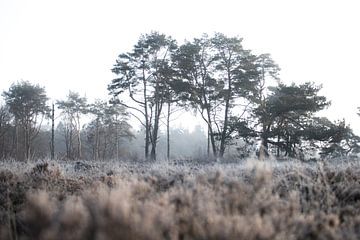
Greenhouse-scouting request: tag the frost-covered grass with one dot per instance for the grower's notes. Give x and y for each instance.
(248, 199)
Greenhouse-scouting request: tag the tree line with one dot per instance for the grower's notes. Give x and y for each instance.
(237, 94)
(23, 135)
(230, 88)
(30, 129)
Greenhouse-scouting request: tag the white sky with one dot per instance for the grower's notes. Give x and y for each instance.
(72, 44)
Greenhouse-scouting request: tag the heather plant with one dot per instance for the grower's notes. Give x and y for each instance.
(272, 200)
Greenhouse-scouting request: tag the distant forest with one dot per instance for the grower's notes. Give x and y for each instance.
(247, 109)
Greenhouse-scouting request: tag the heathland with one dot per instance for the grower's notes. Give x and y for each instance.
(180, 200)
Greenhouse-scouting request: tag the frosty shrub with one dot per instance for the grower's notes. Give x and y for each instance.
(188, 201)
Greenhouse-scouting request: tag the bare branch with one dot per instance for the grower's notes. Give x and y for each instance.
(132, 97)
(141, 122)
(130, 107)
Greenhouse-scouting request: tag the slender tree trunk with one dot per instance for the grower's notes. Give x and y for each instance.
(212, 138)
(147, 124)
(105, 148)
(155, 131)
(117, 138)
(209, 122)
(147, 139)
(27, 141)
(25, 144)
(226, 117)
(52, 147)
(208, 141)
(154, 142)
(278, 147)
(14, 142)
(17, 141)
(158, 109)
(97, 141)
(79, 137)
(66, 133)
(266, 123)
(223, 133)
(168, 131)
(71, 144)
(68, 141)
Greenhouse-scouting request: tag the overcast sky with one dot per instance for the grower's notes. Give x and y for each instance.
(72, 44)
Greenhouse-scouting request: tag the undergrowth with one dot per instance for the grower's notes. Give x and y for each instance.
(57, 200)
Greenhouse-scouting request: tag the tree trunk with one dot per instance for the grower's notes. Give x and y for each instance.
(147, 124)
(68, 141)
(79, 137)
(17, 141)
(278, 146)
(79, 144)
(117, 137)
(147, 139)
(263, 151)
(52, 147)
(212, 138)
(168, 132)
(105, 148)
(66, 133)
(226, 116)
(154, 140)
(158, 108)
(97, 141)
(153, 152)
(209, 122)
(155, 131)
(208, 142)
(27, 141)
(224, 131)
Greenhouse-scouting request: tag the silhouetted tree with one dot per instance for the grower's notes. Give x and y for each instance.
(220, 77)
(73, 107)
(27, 103)
(143, 76)
(5, 130)
(285, 114)
(269, 71)
(108, 127)
(333, 139)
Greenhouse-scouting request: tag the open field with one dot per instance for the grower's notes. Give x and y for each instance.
(246, 200)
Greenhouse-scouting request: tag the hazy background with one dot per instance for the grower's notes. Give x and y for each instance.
(70, 44)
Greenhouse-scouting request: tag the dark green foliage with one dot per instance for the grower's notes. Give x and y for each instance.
(290, 125)
(301, 100)
(337, 139)
(285, 114)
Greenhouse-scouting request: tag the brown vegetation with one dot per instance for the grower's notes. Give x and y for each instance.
(188, 202)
